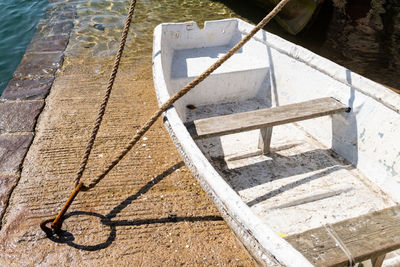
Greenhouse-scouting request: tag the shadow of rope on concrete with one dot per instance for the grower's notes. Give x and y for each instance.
(69, 239)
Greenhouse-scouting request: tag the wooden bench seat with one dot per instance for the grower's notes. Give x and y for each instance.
(369, 236)
(263, 119)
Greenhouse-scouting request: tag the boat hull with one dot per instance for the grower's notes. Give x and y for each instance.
(276, 73)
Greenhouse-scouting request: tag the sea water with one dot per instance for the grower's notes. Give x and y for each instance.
(98, 25)
(17, 26)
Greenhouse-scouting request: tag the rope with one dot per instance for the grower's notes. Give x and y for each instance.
(340, 243)
(183, 91)
(56, 225)
(110, 85)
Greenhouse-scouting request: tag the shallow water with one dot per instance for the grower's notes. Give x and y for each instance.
(17, 26)
(98, 26)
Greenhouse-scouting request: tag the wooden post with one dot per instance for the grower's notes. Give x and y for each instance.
(264, 141)
(377, 262)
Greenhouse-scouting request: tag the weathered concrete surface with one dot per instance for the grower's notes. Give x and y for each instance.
(7, 183)
(23, 89)
(12, 151)
(48, 44)
(39, 64)
(148, 211)
(19, 116)
(31, 84)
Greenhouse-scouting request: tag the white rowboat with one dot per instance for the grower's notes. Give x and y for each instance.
(300, 155)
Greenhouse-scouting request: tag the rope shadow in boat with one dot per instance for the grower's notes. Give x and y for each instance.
(277, 166)
(290, 186)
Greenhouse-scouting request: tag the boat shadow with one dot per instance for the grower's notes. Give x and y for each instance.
(68, 238)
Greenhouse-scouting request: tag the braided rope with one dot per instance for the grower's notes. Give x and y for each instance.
(110, 85)
(178, 95)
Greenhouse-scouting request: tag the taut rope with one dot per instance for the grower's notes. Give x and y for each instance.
(79, 186)
(110, 85)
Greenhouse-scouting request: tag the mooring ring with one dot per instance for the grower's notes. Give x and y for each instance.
(49, 231)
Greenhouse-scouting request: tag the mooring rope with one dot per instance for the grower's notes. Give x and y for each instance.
(79, 186)
(110, 85)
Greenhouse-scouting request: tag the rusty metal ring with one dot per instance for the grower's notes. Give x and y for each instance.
(57, 221)
(49, 231)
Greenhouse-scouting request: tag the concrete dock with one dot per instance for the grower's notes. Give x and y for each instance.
(149, 210)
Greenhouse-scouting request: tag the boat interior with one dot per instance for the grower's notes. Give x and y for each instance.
(314, 172)
(300, 184)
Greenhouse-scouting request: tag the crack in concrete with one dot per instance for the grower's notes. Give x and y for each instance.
(7, 202)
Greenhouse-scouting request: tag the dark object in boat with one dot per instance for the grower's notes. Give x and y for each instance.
(190, 106)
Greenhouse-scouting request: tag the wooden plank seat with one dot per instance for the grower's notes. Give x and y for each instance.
(263, 119)
(369, 236)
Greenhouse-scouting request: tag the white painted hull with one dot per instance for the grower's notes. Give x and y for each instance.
(321, 171)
